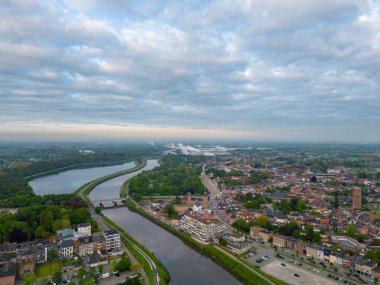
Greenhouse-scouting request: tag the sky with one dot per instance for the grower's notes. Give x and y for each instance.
(297, 70)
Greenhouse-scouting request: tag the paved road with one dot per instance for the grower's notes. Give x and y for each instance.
(214, 191)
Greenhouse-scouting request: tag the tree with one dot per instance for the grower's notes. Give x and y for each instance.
(29, 278)
(287, 229)
(135, 267)
(100, 268)
(81, 272)
(300, 205)
(98, 210)
(222, 241)
(57, 277)
(309, 232)
(351, 231)
(40, 232)
(52, 255)
(169, 210)
(46, 220)
(262, 221)
(123, 265)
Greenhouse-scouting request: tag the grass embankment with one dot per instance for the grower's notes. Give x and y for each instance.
(238, 270)
(44, 270)
(85, 190)
(124, 189)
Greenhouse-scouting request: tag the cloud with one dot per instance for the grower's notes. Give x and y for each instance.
(271, 69)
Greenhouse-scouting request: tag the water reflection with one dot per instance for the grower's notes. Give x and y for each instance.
(186, 266)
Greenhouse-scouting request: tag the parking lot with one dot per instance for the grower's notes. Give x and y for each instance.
(307, 274)
(286, 273)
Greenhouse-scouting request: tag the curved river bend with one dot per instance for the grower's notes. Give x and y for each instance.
(186, 266)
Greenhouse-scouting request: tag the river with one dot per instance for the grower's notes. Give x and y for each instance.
(111, 188)
(70, 180)
(186, 266)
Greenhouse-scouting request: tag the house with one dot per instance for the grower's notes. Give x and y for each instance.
(96, 259)
(113, 240)
(279, 240)
(85, 229)
(43, 249)
(8, 273)
(25, 258)
(197, 207)
(67, 248)
(260, 233)
(364, 266)
(85, 246)
(201, 228)
(314, 252)
(234, 242)
(99, 242)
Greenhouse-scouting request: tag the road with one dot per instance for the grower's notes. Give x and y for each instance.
(214, 191)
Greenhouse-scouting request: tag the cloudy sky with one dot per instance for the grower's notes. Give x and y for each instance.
(300, 70)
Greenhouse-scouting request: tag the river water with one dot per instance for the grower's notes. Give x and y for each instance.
(111, 188)
(186, 266)
(70, 180)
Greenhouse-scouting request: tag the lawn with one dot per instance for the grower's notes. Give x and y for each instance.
(46, 269)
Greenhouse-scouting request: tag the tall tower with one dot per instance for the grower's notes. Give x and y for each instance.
(356, 198)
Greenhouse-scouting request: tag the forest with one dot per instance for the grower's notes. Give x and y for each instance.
(42, 221)
(177, 175)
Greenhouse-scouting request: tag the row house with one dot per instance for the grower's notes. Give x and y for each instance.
(364, 266)
(8, 273)
(25, 258)
(315, 252)
(260, 233)
(85, 246)
(67, 248)
(279, 240)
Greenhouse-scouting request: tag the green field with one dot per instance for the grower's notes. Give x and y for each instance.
(44, 270)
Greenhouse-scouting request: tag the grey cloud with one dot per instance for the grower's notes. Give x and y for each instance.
(246, 65)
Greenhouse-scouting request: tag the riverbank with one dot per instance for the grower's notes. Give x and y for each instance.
(139, 251)
(81, 166)
(237, 268)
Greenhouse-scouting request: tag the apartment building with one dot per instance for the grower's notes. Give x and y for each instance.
(113, 240)
(201, 228)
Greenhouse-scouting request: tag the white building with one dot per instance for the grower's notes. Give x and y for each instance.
(85, 229)
(113, 240)
(67, 248)
(201, 228)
